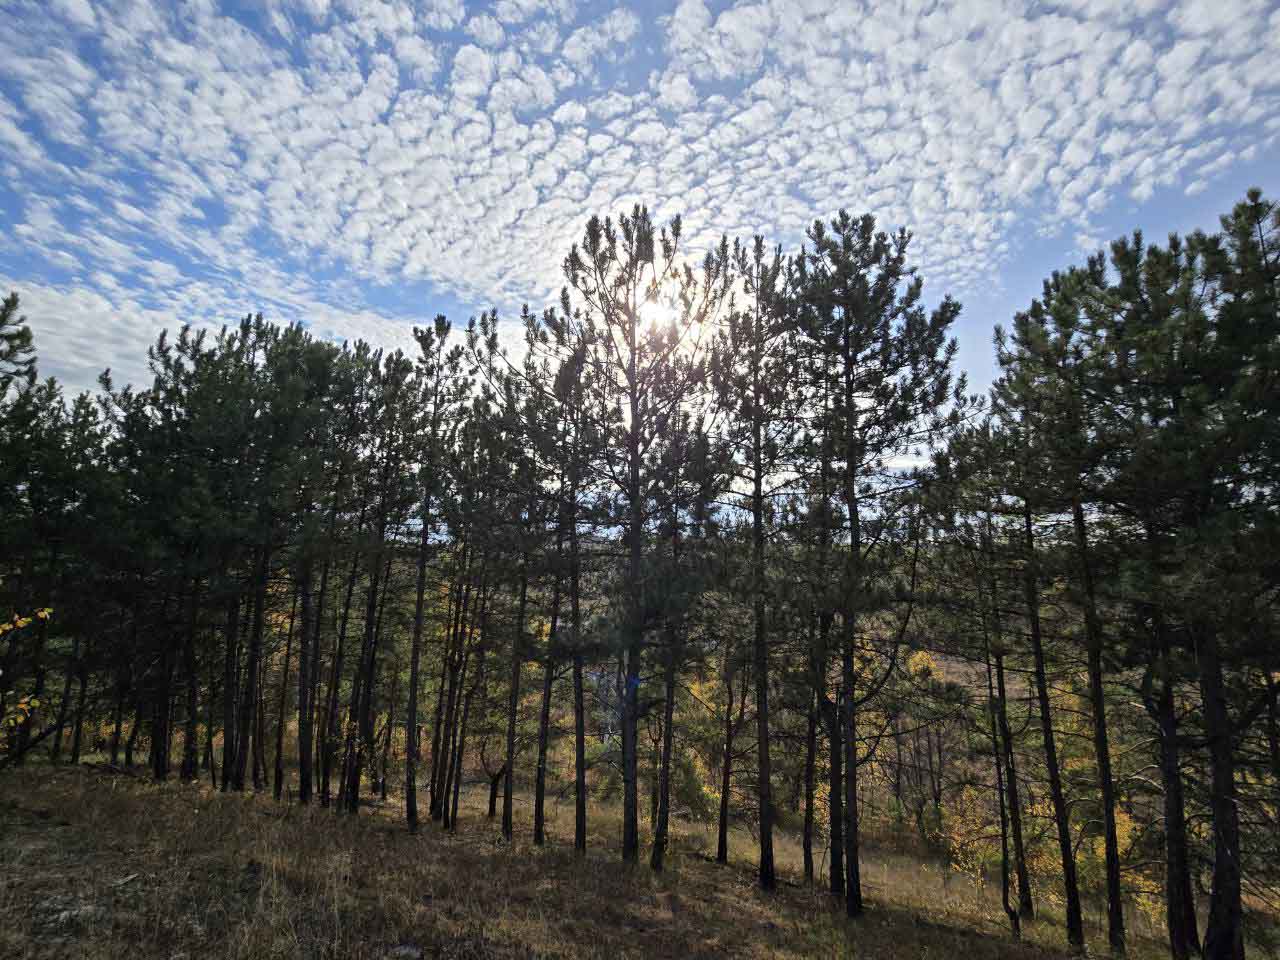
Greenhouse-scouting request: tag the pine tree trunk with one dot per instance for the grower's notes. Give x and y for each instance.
(441, 808)
(760, 650)
(579, 747)
(540, 775)
(1101, 744)
(260, 732)
(810, 754)
(494, 782)
(446, 704)
(282, 707)
(190, 734)
(1026, 905)
(997, 757)
(658, 854)
(1180, 904)
(64, 705)
(231, 657)
(835, 792)
(117, 722)
(415, 666)
(210, 696)
(433, 785)
(1224, 934)
(852, 866)
(452, 738)
(81, 694)
(249, 697)
(133, 737)
(726, 769)
(462, 734)
(362, 700)
(162, 715)
(330, 728)
(513, 699)
(305, 628)
(387, 734)
(579, 696)
(314, 719)
(1061, 816)
(544, 715)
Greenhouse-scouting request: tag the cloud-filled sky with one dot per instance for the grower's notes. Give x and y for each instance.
(361, 165)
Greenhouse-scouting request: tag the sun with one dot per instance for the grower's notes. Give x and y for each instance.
(654, 315)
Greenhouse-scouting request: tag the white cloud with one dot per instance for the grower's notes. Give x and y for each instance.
(472, 72)
(588, 42)
(201, 166)
(486, 30)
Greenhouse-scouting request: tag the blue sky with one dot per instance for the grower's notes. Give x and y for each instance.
(364, 164)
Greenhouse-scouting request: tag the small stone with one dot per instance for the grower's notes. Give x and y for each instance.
(404, 951)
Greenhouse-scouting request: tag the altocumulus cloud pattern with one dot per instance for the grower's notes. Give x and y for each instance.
(359, 163)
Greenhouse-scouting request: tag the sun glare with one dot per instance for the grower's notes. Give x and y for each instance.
(654, 315)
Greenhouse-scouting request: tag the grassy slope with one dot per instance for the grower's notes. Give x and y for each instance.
(100, 865)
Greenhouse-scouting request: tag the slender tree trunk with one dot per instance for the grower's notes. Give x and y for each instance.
(658, 854)
(462, 734)
(441, 755)
(134, 728)
(1061, 816)
(81, 693)
(190, 734)
(329, 746)
(452, 705)
(415, 666)
(630, 698)
(835, 791)
(544, 715)
(260, 732)
(433, 785)
(579, 747)
(760, 649)
(513, 698)
(1026, 905)
(495, 781)
(726, 768)
(248, 701)
(314, 720)
(1013, 806)
(231, 657)
(1015, 922)
(1224, 933)
(540, 774)
(852, 865)
(64, 705)
(278, 785)
(162, 716)
(810, 754)
(117, 722)
(579, 698)
(210, 696)
(362, 701)
(1101, 744)
(1180, 904)
(387, 733)
(305, 628)
(453, 738)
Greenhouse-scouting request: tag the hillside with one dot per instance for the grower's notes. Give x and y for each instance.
(104, 865)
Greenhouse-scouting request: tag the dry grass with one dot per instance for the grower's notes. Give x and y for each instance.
(102, 866)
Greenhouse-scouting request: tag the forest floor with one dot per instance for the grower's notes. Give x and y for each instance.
(97, 864)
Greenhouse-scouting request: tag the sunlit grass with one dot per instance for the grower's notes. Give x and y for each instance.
(119, 867)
